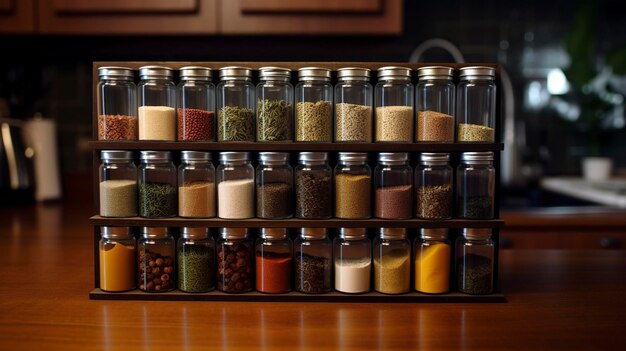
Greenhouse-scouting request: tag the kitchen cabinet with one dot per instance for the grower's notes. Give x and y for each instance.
(17, 16)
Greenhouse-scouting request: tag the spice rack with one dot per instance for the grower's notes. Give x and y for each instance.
(453, 148)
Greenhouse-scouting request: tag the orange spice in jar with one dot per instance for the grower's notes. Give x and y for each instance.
(274, 254)
(117, 252)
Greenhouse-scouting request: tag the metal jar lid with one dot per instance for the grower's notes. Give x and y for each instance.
(273, 157)
(348, 73)
(235, 72)
(314, 73)
(313, 233)
(116, 155)
(154, 232)
(434, 233)
(477, 71)
(234, 233)
(392, 233)
(394, 72)
(114, 232)
(476, 233)
(309, 156)
(270, 72)
(155, 155)
(435, 72)
(431, 158)
(352, 233)
(194, 232)
(273, 233)
(146, 72)
(115, 72)
(479, 157)
(195, 156)
(195, 72)
(393, 157)
(352, 156)
(234, 156)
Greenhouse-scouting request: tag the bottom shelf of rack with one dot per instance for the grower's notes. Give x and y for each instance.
(97, 294)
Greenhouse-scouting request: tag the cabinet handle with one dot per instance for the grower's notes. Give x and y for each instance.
(609, 243)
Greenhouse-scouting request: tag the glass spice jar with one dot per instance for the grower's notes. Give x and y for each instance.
(156, 252)
(393, 184)
(118, 184)
(353, 183)
(476, 104)
(394, 105)
(117, 254)
(352, 252)
(235, 261)
(157, 104)
(235, 186)
(196, 260)
(475, 181)
(196, 185)
(474, 261)
(235, 104)
(314, 105)
(353, 109)
(196, 104)
(433, 186)
(432, 261)
(157, 185)
(392, 261)
(274, 253)
(117, 104)
(274, 186)
(274, 105)
(314, 186)
(434, 103)
(313, 257)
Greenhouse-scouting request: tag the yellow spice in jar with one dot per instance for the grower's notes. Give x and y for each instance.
(432, 268)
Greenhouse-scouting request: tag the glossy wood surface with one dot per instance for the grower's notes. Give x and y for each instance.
(570, 300)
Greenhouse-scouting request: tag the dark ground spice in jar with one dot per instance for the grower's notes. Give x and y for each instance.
(196, 268)
(433, 202)
(311, 274)
(313, 195)
(117, 127)
(234, 268)
(156, 272)
(273, 200)
(235, 123)
(475, 207)
(196, 124)
(474, 274)
(274, 120)
(394, 202)
(157, 200)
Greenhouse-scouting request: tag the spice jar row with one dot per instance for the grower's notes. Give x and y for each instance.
(159, 189)
(157, 109)
(312, 264)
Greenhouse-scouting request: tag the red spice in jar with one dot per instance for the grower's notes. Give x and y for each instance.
(117, 127)
(273, 274)
(196, 124)
(394, 202)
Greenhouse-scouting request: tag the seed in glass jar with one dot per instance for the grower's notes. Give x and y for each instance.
(475, 207)
(353, 123)
(117, 127)
(196, 268)
(314, 121)
(434, 126)
(273, 200)
(313, 195)
(312, 273)
(274, 120)
(394, 123)
(196, 124)
(352, 196)
(434, 202)
(235, 123)
(475, 132)
(474, 274)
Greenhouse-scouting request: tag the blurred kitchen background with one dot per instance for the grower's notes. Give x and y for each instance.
(562, 90)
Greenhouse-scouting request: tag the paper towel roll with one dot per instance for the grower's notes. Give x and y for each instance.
(41, 132)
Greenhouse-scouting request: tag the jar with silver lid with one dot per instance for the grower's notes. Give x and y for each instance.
(235, 104)
(313, 256)
(476, 104)
(274, 255)
(235, 261)
(274, 105)
(433, 186)
(392, 261)
(475, 182)
(274, 186)
(235, 186)
(118, 184)
(196, 260)
(393, 186)
(196, 104)
(353, 186)
(157, 185)
(352, 252)
(196, 185)
(353, 109)
(314, 105)
(117, 104)
(474, 261)
(156, 252)
(432, 261)
(434, 103)
(394, 105)
(314, 186)
(117, 257)
(157, 104)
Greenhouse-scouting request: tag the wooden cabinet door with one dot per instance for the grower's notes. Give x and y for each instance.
(128, 16)
(311, 17)
(17, 16)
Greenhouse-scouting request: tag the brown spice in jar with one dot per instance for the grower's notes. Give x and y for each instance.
(196, 124)
(434, 202)
(235, 267)
(353, 123)
(156, 272)
(314, 121)
(394, 202)
(434, 126)
(273, 200)
(352, 196)
(117, 127)
(394, 123)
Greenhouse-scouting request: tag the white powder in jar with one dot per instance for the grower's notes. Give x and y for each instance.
(235, 199)
(353, 275)
(157, 123)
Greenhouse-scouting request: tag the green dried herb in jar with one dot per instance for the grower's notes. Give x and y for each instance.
(235, 124)
(157, 200)
(196, 260)
(274, 120)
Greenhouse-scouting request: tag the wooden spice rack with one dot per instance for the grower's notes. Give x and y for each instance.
(454, 224)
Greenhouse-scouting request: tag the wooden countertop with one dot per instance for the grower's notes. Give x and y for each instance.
(556, 300)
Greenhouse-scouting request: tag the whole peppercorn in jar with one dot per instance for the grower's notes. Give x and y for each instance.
(235, 261)
(433, 186)
(313, 261)
(314, 186)
(156, 255)
(196, 104)
(474, 261)
(117, 104)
